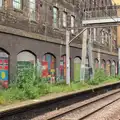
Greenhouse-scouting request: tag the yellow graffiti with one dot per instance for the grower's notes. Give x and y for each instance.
(3, 75)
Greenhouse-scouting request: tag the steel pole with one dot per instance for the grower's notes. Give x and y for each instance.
(84, 53)
(119, 60)
(67, 57)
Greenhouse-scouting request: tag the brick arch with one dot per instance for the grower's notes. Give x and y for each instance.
(103, 64)
(108, 67)
(4, 67)
(113, 68)
(49, 67)
(77, 66)
(96, 63)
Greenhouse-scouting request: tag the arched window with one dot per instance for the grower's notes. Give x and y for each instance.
(49, 67)
(96, 66)
(108, 68)
(103, 65)
(17, 4)
(77, 65)
(4, 67)
(113, 68)
(26, 61)
(63, 67)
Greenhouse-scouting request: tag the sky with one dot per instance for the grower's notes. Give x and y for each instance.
(117, 2)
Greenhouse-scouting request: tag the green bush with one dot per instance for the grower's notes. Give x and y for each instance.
(28, 86)
(99, 77)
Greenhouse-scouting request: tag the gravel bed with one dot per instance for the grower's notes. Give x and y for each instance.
(111, 112)
(79, 113)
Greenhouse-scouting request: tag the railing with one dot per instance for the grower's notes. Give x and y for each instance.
(100, 12)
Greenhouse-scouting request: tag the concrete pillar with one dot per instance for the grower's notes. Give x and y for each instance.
(57, 68)
(84, 53)
(119, 60)
(12, 67)
(118, 42)
(72, 68)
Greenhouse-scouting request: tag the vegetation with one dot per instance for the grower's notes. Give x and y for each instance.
(29, 86)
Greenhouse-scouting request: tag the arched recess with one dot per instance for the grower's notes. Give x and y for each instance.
(117, 70)
(113, 68)
(77, 65)
(96, 63)
(108, 68)
(103, 64)
(63, 67)
(49, 67)
(4, 68)
(26, 60)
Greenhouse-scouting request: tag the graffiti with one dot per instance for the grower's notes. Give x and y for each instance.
(113, 68)
(96, 64)
(103, 65)
(24, 65)
(63, 68)
(44, 69)
(4, 69)
(77, 64)
(108, 68)
(48, 67)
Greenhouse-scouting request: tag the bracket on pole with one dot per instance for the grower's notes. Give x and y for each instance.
(77, 35)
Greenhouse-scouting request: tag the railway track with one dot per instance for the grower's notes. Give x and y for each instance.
(73, 106)
(82, 110)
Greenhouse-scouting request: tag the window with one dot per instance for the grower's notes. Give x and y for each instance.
(72, 24)
(1, 2)
(95, 34)
(55, 17)
(106, 38)
(64, 19)
(32, 9)
(17, 4)
(102, 37)
(92, 33)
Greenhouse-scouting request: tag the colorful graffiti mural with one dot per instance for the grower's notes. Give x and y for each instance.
(108, 68)
(103, 65)
(63, 67)
(25, 61)
(113, 68)
(4, 69)
(48, 67)
(96, 64)
(77, 65)
(117, 68)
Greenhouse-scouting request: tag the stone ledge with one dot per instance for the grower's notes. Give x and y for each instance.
(40, 37)
(49, 98)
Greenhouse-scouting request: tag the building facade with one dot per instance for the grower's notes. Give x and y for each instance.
(33, 32)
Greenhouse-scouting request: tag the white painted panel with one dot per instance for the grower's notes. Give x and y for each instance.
(77, 60)
(25, 56)
(3, 54)
(101, 20)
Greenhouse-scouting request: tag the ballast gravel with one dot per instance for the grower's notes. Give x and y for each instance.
(111, 112)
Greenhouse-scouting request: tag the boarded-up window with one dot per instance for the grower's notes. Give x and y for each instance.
(72, 24)
(55, 17)
(1, 2)
(64, 19)
(17, 4)
(4, 69)
(95, 31)
(32, 6)
(103, 37)
(49, 68)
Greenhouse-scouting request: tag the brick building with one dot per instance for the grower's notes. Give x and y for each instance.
(34, 31)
